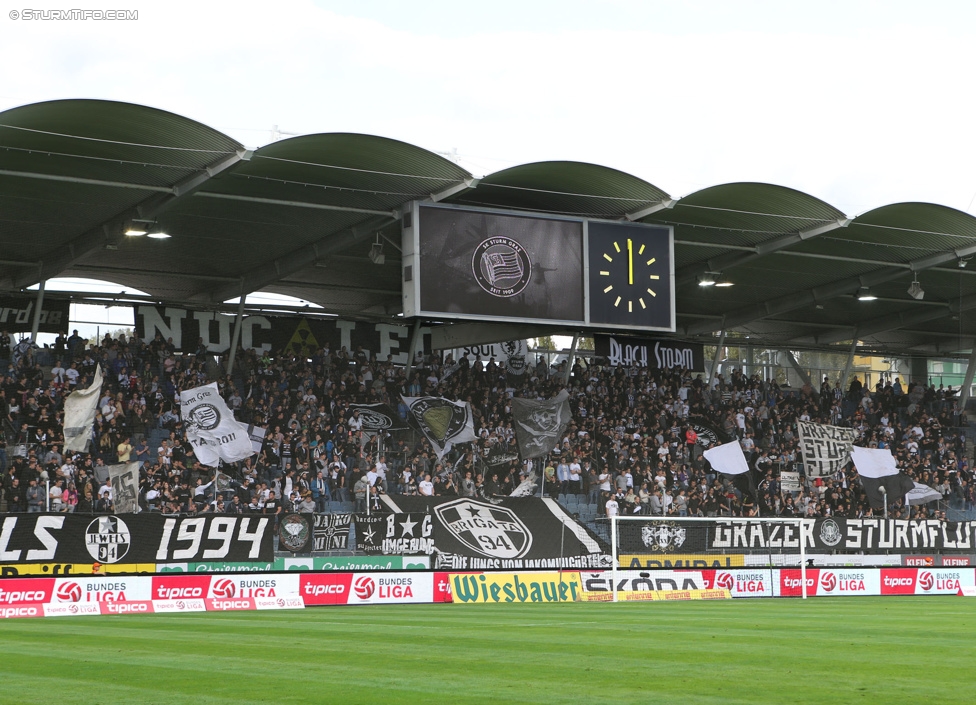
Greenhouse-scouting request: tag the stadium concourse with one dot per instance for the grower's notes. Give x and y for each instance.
(628, 438)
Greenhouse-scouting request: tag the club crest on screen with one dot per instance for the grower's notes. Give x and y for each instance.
(501, 267)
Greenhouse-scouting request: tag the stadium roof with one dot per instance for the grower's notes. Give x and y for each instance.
(299, 216)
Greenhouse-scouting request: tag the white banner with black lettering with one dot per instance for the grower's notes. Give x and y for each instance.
(211, 427)
(826, 449)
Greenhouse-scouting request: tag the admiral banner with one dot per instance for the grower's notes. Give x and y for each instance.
(655, 353)
(395, 534)
(17, 314)
(510, 533)
(300, 336)
(826, 449)
(134, 539)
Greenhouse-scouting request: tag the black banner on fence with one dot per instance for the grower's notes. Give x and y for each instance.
(512, 533)
(656, 353)
(292, 335)
(134, 538)
(331, 532)
(17, 314)
(868, 535)
(395, 534)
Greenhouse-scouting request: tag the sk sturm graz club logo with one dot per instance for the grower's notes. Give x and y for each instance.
(489, 530)
(374, 420)
(830, 533)
(501, 267)
(107, 539)
(663, 537)
(205, 417)
(515, 350)
(293, 532)
(439, 419)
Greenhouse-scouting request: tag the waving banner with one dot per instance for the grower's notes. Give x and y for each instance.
(378, 417)
(539, 424)
(826, 449)
(211, 427)
(125, 487)
(443, 422)
(79, 415)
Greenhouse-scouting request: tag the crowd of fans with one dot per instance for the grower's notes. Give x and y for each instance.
(627, 449)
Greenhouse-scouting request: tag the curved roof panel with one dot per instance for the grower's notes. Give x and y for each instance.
(299, 216)
(570, 188)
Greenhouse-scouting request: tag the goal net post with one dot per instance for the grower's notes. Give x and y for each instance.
(648, 543)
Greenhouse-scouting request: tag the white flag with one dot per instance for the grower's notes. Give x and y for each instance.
(874, 462)
(922, 494)
(728, 458)
(211, 428)
(79, 415)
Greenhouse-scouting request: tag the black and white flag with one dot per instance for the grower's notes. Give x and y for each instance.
(922, 494)
(125, 487)
(539, 424)
(882, 482)
(396, 534)
(378, 417)
(825, 449)
(445, 423)
(211, 427)
(256, 434)
(331, 532)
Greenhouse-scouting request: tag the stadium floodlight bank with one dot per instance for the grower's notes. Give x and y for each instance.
(694, 538)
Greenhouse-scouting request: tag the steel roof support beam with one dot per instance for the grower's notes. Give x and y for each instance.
(725, 261)
(849, 365)
(110, 232)
(665, 204)
(295, 204)
(456, 188)
(88, 182)
(790, 358)
(967, 382)
(459, 335)
(832, 290)
(893, 321)
(296, 260)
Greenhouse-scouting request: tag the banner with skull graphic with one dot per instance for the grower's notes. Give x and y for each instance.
(539, 424)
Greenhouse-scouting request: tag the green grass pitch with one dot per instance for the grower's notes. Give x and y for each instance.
(828, 650)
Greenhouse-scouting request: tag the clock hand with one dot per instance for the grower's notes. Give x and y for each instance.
(630, 259)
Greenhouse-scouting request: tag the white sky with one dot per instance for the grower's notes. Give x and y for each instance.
(859, 103)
